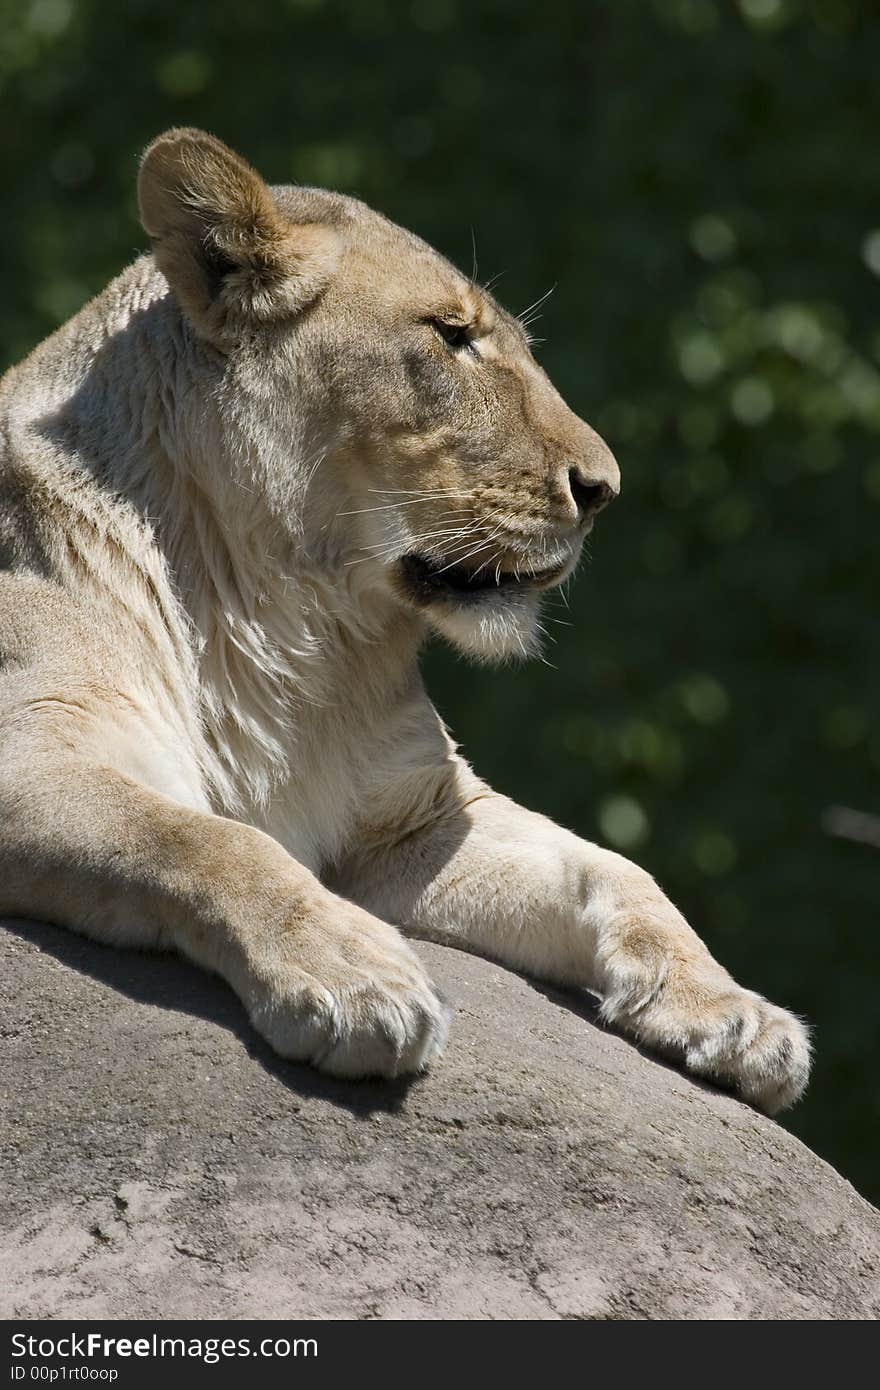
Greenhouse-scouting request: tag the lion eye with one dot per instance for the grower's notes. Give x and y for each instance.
(456, 336)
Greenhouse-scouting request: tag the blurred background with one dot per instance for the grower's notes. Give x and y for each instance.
(699, 179)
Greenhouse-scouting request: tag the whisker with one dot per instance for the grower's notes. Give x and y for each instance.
(415, 492)
(390, 546)
(478, 524)
(493, 280)
(501, 526)
(321, 455)
(495, 556)
(387, 555)
(458, 536)
(460, 559)
(536, 305)
(390, 507)
(487, 539)
(453, 537)
(499, 553)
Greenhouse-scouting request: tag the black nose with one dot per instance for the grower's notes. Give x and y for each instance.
(590, 494)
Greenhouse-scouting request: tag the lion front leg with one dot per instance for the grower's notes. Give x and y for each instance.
(324, 982)
(660, 983)
(507, 883)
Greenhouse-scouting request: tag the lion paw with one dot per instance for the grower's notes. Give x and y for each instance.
(359, 1006)
(689, 1008)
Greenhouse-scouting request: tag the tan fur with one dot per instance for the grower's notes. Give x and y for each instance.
(236, 491)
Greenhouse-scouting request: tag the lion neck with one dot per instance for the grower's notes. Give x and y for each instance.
(295, 636)
(280, 625)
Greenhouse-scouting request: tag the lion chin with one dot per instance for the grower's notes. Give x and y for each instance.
(489, 614)
(504, 626)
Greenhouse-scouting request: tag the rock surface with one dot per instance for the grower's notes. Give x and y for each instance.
(160, 1162)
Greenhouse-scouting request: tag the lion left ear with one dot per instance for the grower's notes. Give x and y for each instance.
(227, 251)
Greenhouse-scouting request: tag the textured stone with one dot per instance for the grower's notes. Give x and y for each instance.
(159, 1161)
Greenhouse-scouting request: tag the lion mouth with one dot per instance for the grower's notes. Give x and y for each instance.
(428, 578)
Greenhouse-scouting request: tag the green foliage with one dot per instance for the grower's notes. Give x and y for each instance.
(699, 179)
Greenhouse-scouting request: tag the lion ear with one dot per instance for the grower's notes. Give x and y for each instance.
(228, 252)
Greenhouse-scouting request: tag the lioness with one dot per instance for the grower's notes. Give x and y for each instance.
(238, 489)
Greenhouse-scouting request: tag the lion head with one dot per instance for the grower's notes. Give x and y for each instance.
(438, 453)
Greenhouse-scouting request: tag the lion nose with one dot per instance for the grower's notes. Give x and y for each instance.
(590, 494)
(594, 480)
(594, 487)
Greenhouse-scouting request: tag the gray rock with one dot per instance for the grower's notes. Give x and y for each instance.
(161, 1162)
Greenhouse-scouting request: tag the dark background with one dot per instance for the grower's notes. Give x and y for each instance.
(700, 179)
